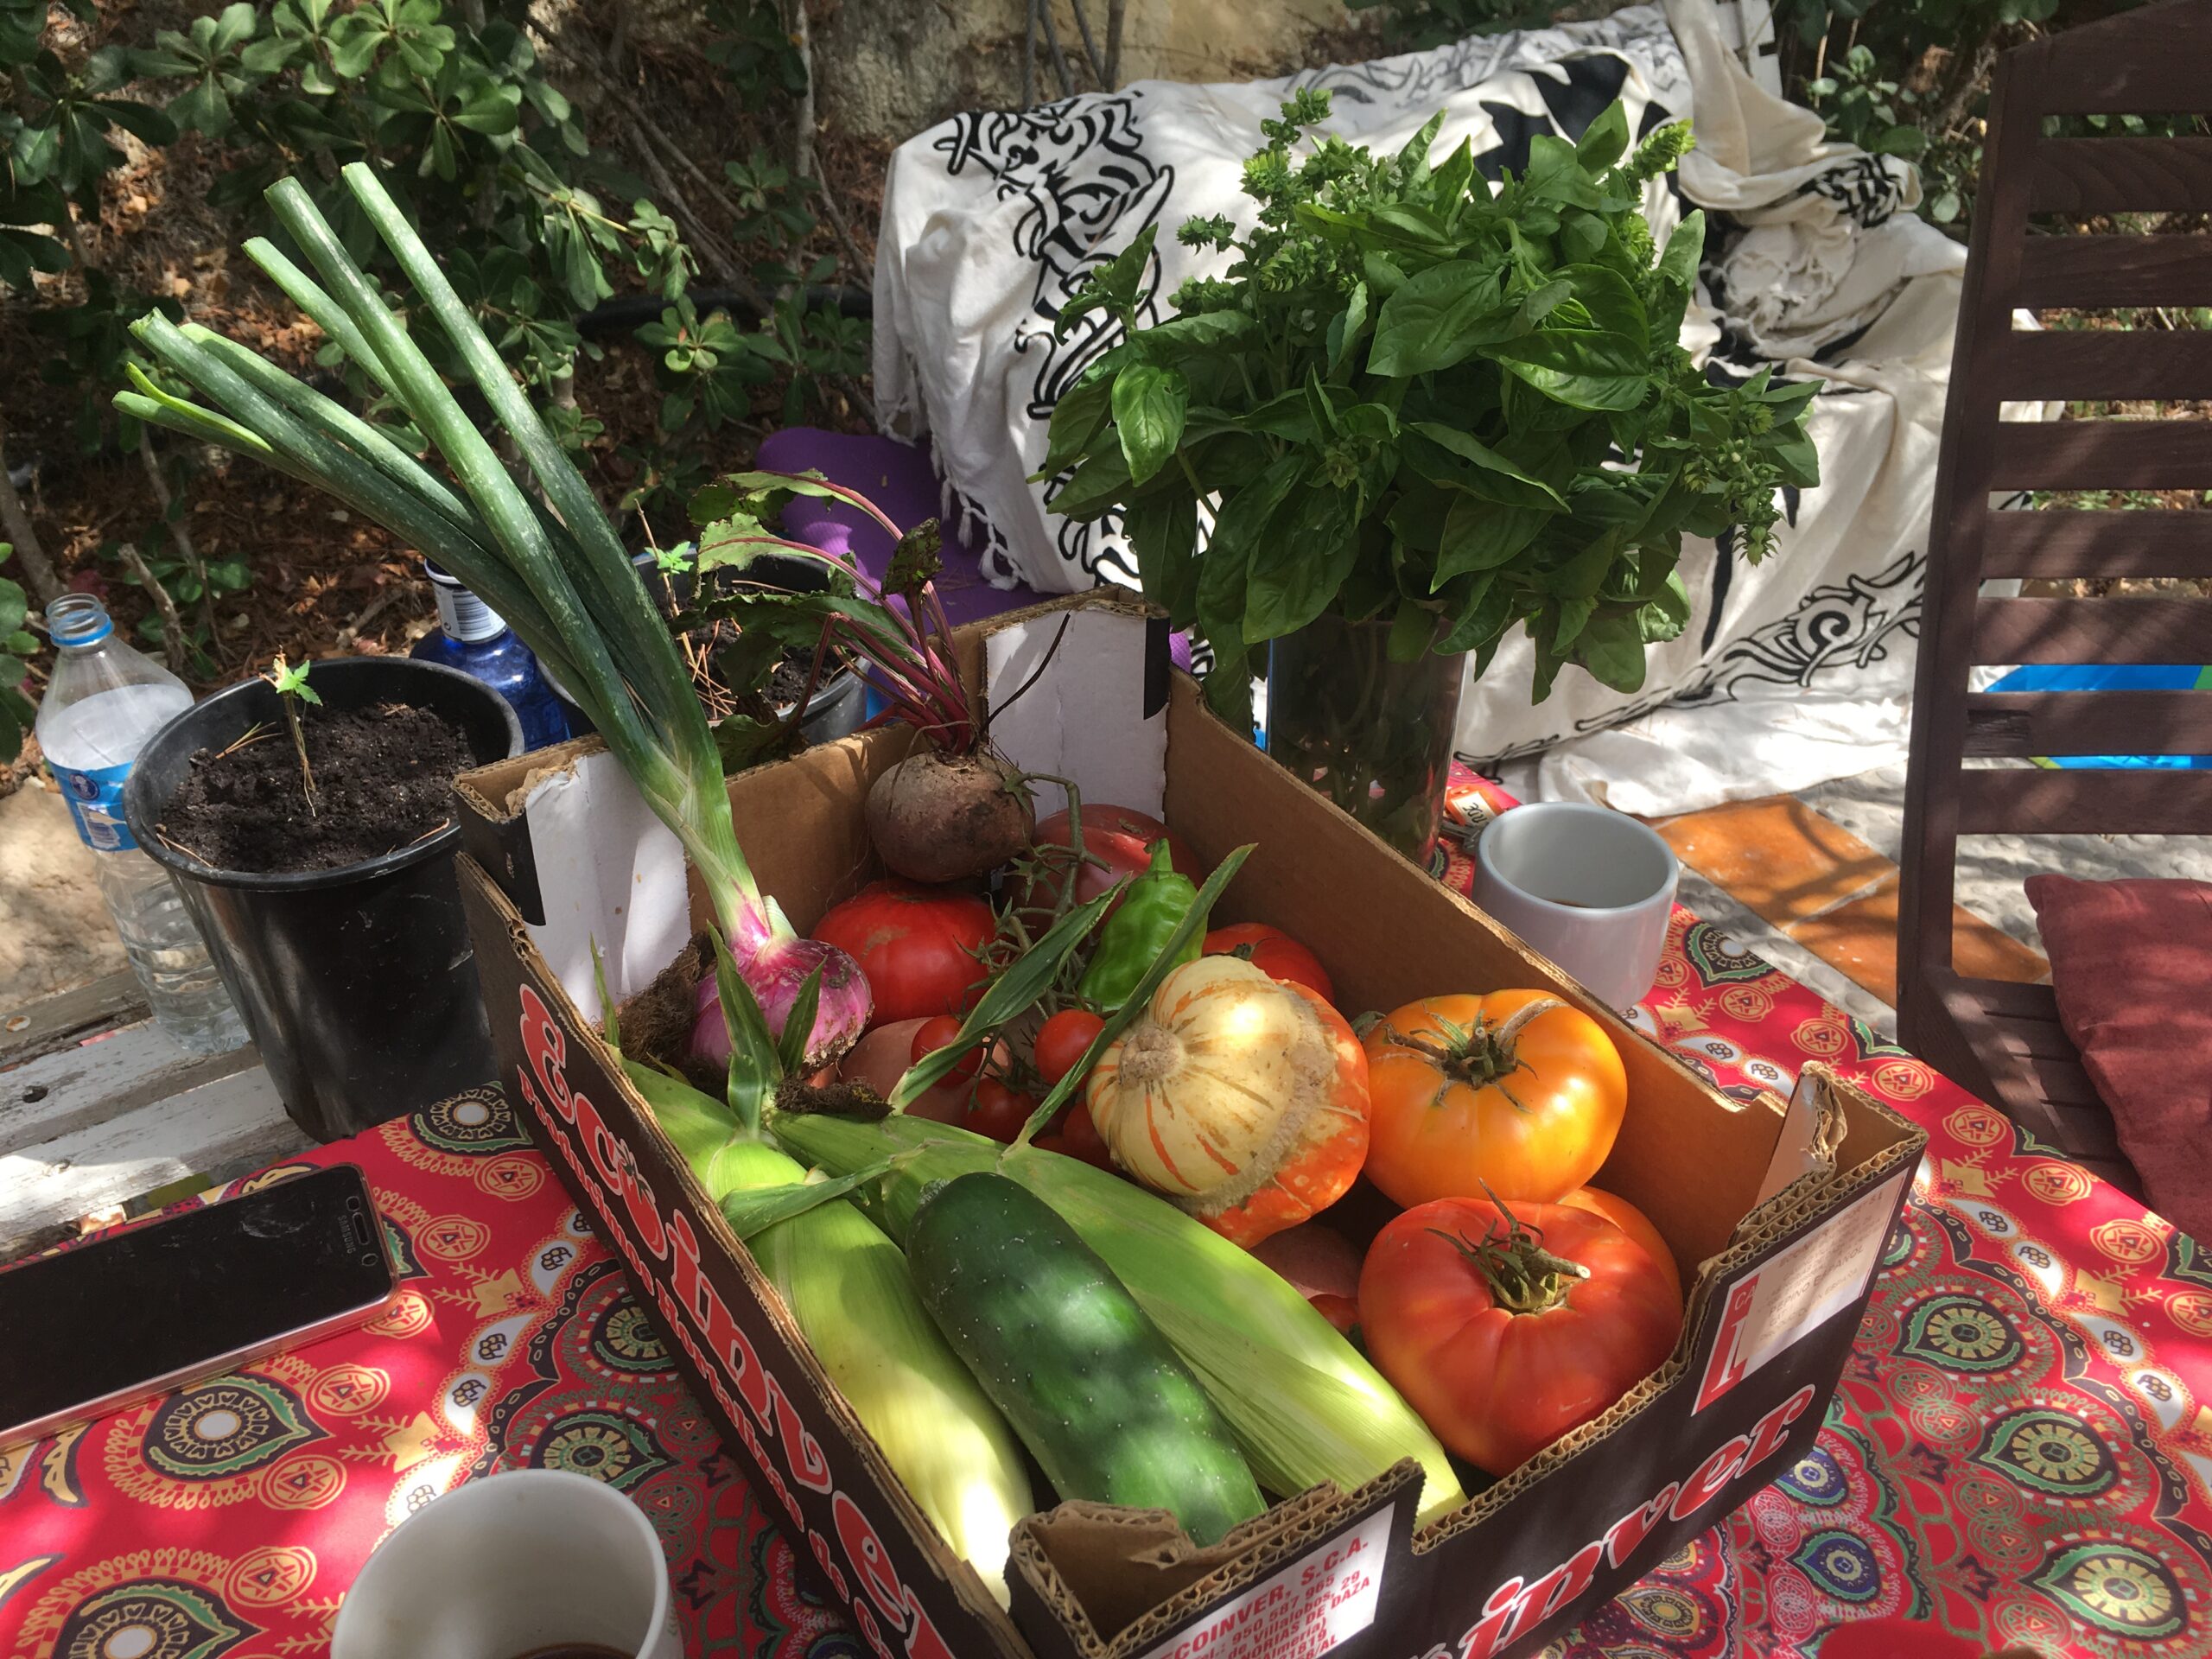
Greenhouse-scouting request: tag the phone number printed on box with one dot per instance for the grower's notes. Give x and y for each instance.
(1314, 1604)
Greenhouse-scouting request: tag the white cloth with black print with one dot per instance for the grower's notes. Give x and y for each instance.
(1787, 674)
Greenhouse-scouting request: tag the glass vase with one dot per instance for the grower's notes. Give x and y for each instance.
(1373, 735)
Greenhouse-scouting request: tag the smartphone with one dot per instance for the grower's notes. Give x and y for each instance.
(100, 1328)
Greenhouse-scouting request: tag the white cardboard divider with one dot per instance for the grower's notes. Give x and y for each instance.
(608, 871)
(1084, 719)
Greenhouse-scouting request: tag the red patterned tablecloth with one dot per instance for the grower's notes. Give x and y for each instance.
(2019, 1451)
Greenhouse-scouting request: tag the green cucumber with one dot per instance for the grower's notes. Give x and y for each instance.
(1085, 1379)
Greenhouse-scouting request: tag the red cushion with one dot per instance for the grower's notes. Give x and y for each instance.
(2131, 963)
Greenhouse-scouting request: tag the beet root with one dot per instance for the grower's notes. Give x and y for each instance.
(941, 817)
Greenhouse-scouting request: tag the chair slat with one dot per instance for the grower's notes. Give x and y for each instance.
(2035, 800)
(2108, 364)
(2017, 724)
(2089, 272)
(2013, 999)
(2101, 455)
(2155, 67)
(2085, 1128)
(2064, 542)
(2120, 175)
(2158, 630)
(2046, 1038)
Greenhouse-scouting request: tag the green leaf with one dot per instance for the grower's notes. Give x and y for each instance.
(1606, 140)
(1009, 996)
(1100, 483)
(799, 1025)
(1611, 647)
(1078, 418)
(1556, 174)
(1148, 408)
(1239, 528)
(755, 1064)
(1480, 535)
(1493, 476)
(1437, 318)
(1347, 328)
(1163, 530)
(752, 1211)
(1292, 577)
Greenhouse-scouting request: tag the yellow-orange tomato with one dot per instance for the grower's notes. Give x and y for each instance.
(1241, 1099)
(1495, 1091)
(1632, 1221)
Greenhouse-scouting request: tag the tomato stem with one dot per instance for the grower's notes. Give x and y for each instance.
(1523, 1277)
(1481, 1055)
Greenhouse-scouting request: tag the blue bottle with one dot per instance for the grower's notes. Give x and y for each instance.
(473, 637)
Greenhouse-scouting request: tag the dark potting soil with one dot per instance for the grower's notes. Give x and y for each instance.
(384, 779)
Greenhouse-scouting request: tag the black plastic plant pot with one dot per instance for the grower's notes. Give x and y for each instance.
(358, 984)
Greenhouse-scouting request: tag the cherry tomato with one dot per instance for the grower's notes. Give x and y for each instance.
(1275, 953)
(942, 1031)
(999, 1111)
(1119, 835)
(916, 944)
(1083, 1138)
(1062, 1039)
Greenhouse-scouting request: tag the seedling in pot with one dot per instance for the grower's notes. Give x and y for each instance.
(293, 689)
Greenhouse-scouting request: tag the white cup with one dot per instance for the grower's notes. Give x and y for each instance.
(1589, 887)
(509, 1566)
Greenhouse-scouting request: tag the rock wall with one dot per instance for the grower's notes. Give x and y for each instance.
(888, 68)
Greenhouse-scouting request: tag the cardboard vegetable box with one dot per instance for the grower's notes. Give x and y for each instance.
(1776, 1213)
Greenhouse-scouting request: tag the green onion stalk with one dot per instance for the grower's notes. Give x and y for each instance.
(551, 564)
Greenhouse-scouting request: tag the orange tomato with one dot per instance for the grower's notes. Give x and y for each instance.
(1632, 1221)
(1471, 1092)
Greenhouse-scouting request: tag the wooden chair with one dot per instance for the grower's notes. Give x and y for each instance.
(2004, 1041)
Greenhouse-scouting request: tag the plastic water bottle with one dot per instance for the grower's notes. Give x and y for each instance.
(474, 638)
(104, 702)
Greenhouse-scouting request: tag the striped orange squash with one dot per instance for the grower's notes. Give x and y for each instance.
(1240, 1097)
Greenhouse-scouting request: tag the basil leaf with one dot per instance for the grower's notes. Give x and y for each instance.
(1611, 648)
(1481, 534)
(1164, 533)
(1079, 418)
(1294, 577)
(1148, 406)
(1438, 319)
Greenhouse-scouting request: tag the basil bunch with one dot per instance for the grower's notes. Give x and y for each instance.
(1417, 399)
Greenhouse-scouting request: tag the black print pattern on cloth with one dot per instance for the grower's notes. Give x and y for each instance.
(1863, 188)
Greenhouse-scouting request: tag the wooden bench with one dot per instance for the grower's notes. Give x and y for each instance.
(98, 1108)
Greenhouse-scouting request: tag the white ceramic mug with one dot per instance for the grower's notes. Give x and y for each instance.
(1589, 887)
(510, 1565)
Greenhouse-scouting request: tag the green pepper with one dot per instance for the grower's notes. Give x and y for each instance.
(1134, 936)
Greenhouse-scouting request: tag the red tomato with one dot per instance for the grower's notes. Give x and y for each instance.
(1081, 1138)
(1120, 835)
(1499, 1349)
(1063, 1039)
(916, 944)
(1275, 953)
(999, 1111)
(1632, 1221)
(1339, 1311)
(942, 1031)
